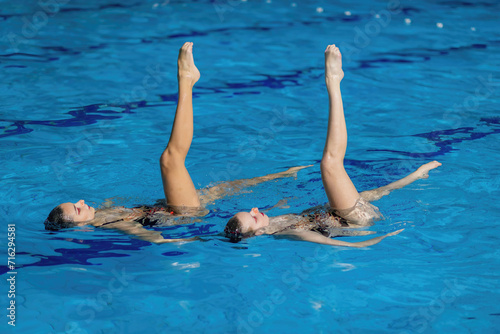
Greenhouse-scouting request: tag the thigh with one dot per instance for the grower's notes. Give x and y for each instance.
(178, 186)
(341, 192)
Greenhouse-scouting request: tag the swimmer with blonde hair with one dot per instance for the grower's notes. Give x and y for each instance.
(347, 208)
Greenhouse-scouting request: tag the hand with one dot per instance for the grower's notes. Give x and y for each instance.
(162, 241)
(424, 169)
(394, 233)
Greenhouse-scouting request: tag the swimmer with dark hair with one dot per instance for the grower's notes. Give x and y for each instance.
(346, 209)
(181, 197)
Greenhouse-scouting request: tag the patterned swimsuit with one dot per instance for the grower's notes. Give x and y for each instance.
(326, 221)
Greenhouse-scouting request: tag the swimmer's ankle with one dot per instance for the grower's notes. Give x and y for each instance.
(332, 82)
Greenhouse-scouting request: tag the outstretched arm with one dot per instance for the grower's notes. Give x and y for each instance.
(233, 187)
(320, 239)
(136, 229)
(420, 173)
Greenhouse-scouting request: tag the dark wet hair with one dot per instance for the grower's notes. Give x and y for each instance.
(56, 220)
(233, 230)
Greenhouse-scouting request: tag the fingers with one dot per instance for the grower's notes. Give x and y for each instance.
(178, 240)
(394, 233)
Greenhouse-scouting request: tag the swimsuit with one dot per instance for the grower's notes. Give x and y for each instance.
(326, 221)
(362, 213)
(148, 215)
(320, 219)
(153, 215)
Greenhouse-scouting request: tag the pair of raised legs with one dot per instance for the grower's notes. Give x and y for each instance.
(342, 194)
(177, 183)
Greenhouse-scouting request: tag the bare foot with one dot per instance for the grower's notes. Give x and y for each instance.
(333, 64)
(186, 69)
(424, 169)
(292, 172)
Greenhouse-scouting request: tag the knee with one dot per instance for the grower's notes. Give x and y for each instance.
(169, 159)
(331, 162)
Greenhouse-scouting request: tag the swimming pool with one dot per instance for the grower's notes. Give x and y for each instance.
(78, 109)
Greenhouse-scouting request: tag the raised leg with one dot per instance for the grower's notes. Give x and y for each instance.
(177, 184)
(341, 192)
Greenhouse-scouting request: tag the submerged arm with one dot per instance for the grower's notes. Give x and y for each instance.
(233, 187)
(320, 239)
(136, 229)
(420, 173)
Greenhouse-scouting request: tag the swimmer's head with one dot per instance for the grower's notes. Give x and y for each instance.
(69, 215)
(245, 224)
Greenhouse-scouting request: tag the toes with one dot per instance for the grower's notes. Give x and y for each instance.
(331, 47)
(186, 45)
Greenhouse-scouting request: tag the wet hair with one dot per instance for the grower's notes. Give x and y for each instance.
(233, 230)
(57, 220)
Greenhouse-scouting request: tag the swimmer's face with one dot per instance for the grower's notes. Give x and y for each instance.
(78, 212)
(252, 221)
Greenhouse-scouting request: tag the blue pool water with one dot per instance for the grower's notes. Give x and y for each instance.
(88, 98)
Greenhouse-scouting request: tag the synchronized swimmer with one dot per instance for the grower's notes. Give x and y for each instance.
(346, 209)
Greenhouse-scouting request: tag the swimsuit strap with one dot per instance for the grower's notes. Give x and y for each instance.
(111, 222)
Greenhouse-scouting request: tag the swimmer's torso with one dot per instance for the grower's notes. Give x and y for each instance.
(320, 219)
(324, 220)
(146, 215)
